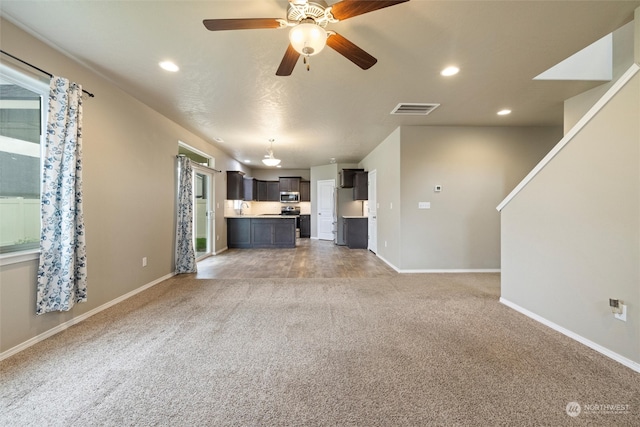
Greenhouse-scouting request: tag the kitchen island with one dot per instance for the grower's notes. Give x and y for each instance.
(261, 231)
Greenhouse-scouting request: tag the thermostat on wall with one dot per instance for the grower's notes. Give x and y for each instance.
(437, 188)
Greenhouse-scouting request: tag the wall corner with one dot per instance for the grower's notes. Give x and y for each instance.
(636, 36)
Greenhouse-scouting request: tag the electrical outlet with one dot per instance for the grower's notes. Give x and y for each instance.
(623, 313)
(144, 261)
(385, 243)
(217, 237)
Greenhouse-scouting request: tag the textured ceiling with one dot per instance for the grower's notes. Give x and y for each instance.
(227, 88)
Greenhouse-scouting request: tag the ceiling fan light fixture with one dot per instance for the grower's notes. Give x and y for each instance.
(308, 38)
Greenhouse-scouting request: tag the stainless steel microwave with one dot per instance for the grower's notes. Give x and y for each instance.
(289, 197)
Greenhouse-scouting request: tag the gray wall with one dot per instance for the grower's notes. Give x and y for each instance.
(274, 174)
(476, 166)
(129, 187)
(623, 57)
(571, 236)
(385, 160)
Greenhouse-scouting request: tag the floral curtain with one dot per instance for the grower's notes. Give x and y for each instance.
(185, 252)
(62, 272)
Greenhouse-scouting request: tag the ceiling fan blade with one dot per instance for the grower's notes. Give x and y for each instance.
(241, 24)
(349, 8)
(288, 62)
(350, 51)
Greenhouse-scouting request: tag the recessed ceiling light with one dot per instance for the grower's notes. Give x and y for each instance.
(279, 166)
(450, 71)
(247, 161)
(216, 139)
(169, 66)
(504, 112)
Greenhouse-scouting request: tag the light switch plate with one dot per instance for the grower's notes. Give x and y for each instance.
(424, 205)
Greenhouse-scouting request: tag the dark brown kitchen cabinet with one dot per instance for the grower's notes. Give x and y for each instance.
(273, 191)
(261, 232)
(235, 185)
(356, 232)
(261, 189)
(250, 189)
(305, 191)
(305, 226)
(267, 191)
(347, 176)
(290, 184)
(238, 232)
(361, 186)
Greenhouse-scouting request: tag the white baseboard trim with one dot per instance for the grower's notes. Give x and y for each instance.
(61, 327)
(452, 270)
(387, 262)
(221, 250)
(582, 340)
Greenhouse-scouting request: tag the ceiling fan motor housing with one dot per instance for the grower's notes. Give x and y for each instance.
(316, 10)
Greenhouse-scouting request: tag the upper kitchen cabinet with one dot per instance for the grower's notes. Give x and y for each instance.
(305, 191)
(290, 184)
(361, 186)
(235, 185)
(347, 176)
(273, 191)
(267, 191)
(250, 189)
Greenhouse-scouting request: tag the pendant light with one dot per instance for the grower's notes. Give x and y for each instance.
(270, 160)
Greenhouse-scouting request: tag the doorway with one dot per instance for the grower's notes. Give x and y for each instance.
(326, 209)
(203, 213)
(203, 182)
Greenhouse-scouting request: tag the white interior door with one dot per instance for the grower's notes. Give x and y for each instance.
(326, 209)
(373, 213)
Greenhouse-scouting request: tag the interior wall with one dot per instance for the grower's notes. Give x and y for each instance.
(623, 56)
(571, 236)
(275, 174)
(477, 167)
(385, 160)
(129, 195)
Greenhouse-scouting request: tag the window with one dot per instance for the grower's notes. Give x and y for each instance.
(22, 119)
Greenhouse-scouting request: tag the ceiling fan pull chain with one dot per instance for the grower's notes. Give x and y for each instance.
(306, 62)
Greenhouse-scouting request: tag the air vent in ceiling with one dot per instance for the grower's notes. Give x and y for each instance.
(413, 109)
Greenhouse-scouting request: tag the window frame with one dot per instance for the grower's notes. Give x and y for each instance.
(41, 87)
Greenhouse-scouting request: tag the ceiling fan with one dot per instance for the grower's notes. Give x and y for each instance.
(307, 37)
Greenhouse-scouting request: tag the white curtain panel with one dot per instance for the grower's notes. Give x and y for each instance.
(62, 272)
(185, 252)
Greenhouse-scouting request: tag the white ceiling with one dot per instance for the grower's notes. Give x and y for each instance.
(227, 88)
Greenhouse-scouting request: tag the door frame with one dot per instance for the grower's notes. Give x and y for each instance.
(209, 211)
(372, 240)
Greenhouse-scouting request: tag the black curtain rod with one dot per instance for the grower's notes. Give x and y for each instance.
(39, 69)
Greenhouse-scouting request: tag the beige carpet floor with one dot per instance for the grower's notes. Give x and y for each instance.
(406, 350)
